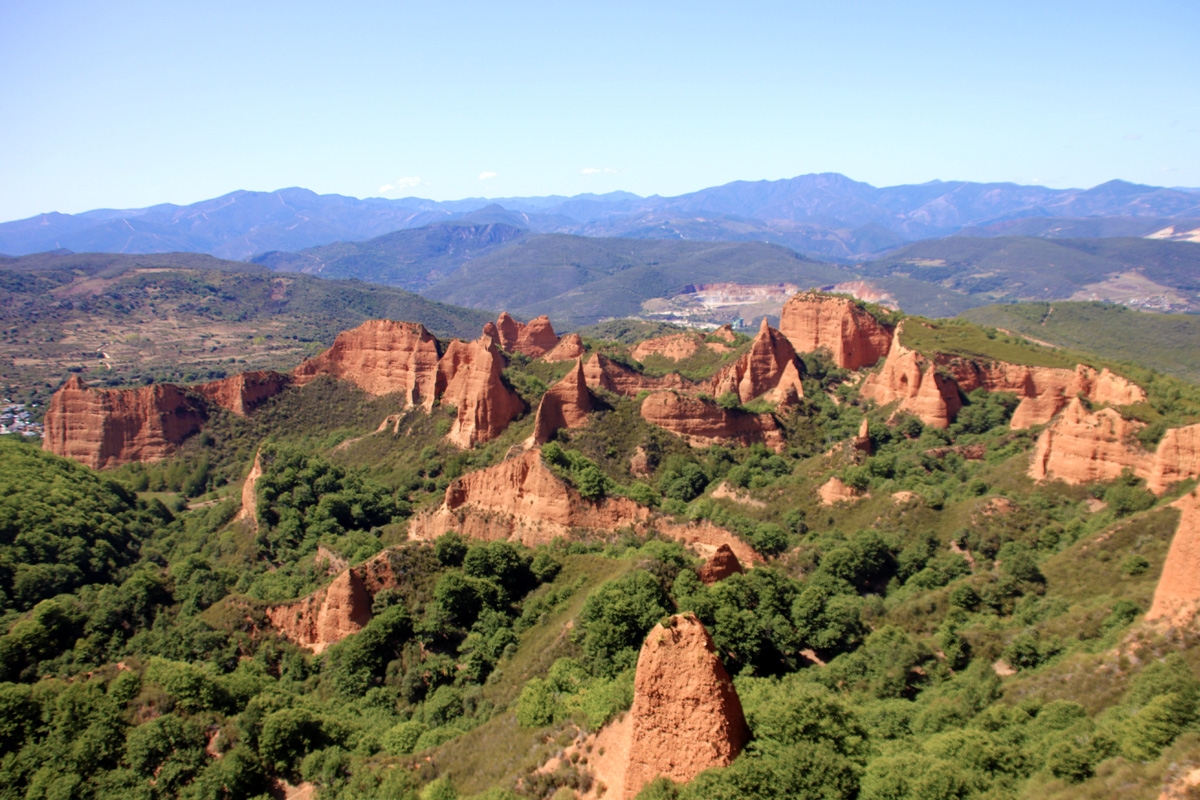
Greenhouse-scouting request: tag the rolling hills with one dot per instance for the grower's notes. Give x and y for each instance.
(180, 317)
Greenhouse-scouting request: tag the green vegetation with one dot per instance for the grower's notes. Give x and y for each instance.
(1169, 343)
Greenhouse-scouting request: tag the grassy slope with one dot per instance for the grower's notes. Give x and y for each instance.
(181, 317)
(1169, 343)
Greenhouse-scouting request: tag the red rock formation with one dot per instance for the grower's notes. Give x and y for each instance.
(249, 509)
(244, 392)
(835, 490)
(569, 348)
(1176, 459)
(566, 404)
(521, 500)
(855, 338)
(534, 339)
(769, 368)
(381, 356)
(722, 564)
(702, 423)
(725, 333)
(862, 442)
(469, 378)
(327, 616)
(1082, 446)
(109, 427)
(912, 379)
(676, 347)
(1177, 596)
(602, 372)
(686, 715)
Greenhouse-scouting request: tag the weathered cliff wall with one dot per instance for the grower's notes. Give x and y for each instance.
(812, 321)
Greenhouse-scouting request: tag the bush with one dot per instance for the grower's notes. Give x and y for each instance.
(616, 618)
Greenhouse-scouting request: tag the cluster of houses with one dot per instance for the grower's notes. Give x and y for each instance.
(16, 418)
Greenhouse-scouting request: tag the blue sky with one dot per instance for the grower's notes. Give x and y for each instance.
(127, 104)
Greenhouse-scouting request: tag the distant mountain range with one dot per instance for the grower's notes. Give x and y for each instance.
(827, 216)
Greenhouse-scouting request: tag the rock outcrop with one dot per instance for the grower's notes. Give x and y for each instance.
(812, 321)
(249, 510)
(720, 566)
(915, 381)
(521, 500)
(1177, 596)
(569, 348)
(327, 616)
(381, 356)
(1176, 459)
(932, 387)
(534, 339)
(686, 714)
(1083, 446)
(566, 404)
(675, 347)
(469, 378)
(602, 372)
(769, 368)
(109, 427)
(725, 333)
(244, 392)
(702, 422)
(835, 490)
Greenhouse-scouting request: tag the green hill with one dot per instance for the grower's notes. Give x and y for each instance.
(181, 316)
(1160, 275)
(1169, 343)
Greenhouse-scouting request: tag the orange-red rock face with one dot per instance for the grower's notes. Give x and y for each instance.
(469, 378)
(566, 404)
(676, 347)
(534, 339)
(912, 379)
(109, 427)
(835, 490)
(327, 616)
(569, 348)
(1083, 446)
(601, 372)
(244, 392)
(855, 338)
(521, 500)
(249, 510)
(686, 714)
(1177, 596)
(702, 423)
(722, 564)
(381, 356)
(769, 368)
(1176, 459)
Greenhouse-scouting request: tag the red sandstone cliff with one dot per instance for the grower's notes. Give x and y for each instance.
(244, 392)
(914, 380)
(566, 404)
(813, 321)
(534, 338)
(569, 348)
(381, 356)
(702, 423)
(602, 372)
(675, 347)
(686, 714)
(1083, 446)
(720, 566)
(469, 378)
(327, 616)
(1177, 596)
(769, 368)
(249, 510)
(109, 427)
(522, 500)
